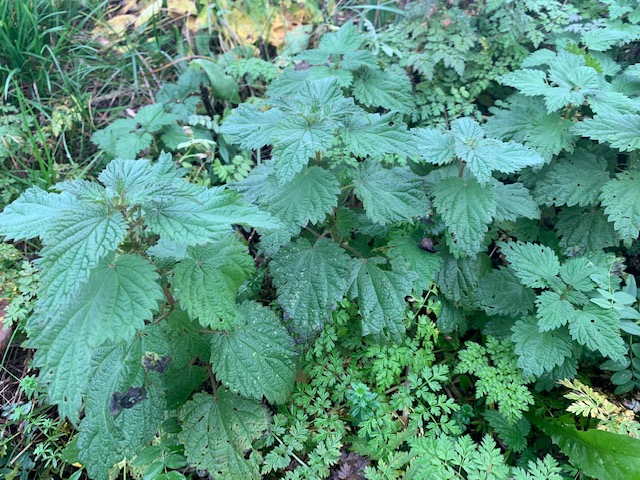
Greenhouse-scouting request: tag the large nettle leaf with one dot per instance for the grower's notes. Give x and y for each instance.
(122, 412)
(257, 359)
(120, 294)
(218, 430)
(621, 199)
(206, 282)
(310, 280)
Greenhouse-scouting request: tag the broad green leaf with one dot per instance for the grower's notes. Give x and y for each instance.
(513, 435)
(380, 294)
(310, 280)
(202, 215)
(553, 311)
(576, 180)
(73, 246)
(586, 229)
(621, 199)
(119, 296)
(252, 128)
(258, 358)
(223, 86)
(308, 198)
(599, 329)
(435, 146)
(535, 265)
(84, 190)
(500, 293)
(375, 135)
(514, 201)
(206, 283)
(345, 40)
(424, 264)
(618, 129)
(297, 140)
(389, 89)
(598, 454)
(390, 195)
(466, 208)
(577, 271)
(109, 433)
(33, 214)
(526, 120)
(528, 81)
(216, 432)
(539, 352)
(458, 279)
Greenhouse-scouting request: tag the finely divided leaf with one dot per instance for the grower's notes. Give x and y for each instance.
(216, 432)
(310, 280)
(119, 296)
(256, 359)
(539, 352)
(206, 283)
(380, 294)
(466, 208)
(621, 197)
(33, 213)
(535, 265)
(599, 329)
(116, 426)
(390, 195)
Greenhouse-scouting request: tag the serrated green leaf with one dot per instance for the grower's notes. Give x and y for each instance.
(310, 280)
(345, 40)
(458, 279)
(513, 435)
(539, 352)
(577, 273)
(586, 229)
(206, 283)
(424, 264)
(466, 208)
(530, 82)
(514, 201)
(576, 180)
(73, 246)
(500, 293)
(435, 146)
(258, 358)
(599, 454)
(33, 213)
(216, 432)
(250, 127)
(375, 135)
(621, 199)
(308, 198)
(201, 215)
(106, 438)
(390, 195)
(380, 294)
(599, 329)
(535, 265)
(618, 129)
(118, 297)
(553, 311)
(389, 88)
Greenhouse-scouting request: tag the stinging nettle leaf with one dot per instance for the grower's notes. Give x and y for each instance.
(390, 195)
(586, 229)
(380, 294)
(514, 201)
(206, 283)
(252, 128)
(33, 213)
(500, 293)
(539, 352)
(553, 311)
(621, 199)
(258, 358)
(310, 280)
(435, 146)
(599, 330)
(389, 88)
(618, 129)
(374, 135)
(118, 297)
(535, 265)
(466, 208)
(216, 432)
